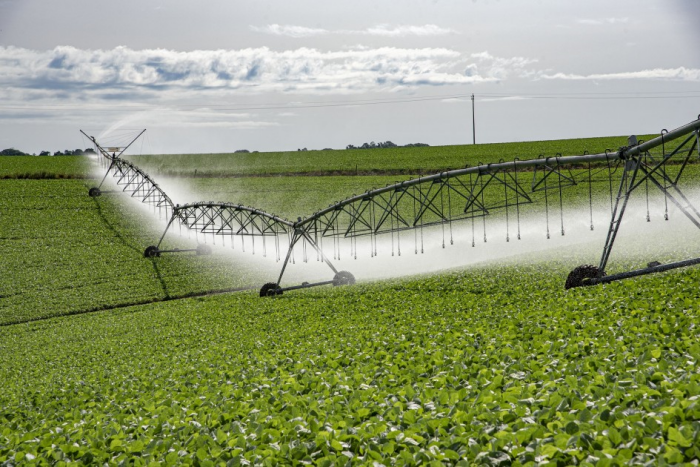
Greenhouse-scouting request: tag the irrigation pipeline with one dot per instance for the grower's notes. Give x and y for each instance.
(438, 199)
(623, 154)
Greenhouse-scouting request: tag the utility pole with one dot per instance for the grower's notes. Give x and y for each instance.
(473, 122)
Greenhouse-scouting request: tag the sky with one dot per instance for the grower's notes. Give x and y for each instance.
(273, 75)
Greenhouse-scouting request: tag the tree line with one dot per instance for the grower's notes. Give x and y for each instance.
(67, 152)
(385, 144)
(83, 152)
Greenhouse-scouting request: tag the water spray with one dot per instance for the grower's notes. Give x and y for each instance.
(440, 200)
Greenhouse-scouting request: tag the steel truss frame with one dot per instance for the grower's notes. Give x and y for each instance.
(141, 186)
(228, 219)
(443, 198)
(454, 195)
(130, 178)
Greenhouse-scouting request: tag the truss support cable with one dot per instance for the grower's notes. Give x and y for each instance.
(505, 195)
(449, 212)
(610, 183)
(590, 194)
(442, 212)
(646, 188)
(561, 198)
(483, 218)
(546, 204)
(517, 195)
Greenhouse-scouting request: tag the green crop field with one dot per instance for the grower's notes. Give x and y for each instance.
(43, 167)
(416, 160)
(104, 359)
(64, 252)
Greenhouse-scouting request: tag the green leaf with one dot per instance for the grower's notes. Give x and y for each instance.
(571, 428)
(171, 458)
(116, 443)
(202, 454)
(614, 436)
(136, 446)
(335, 444)
(676, 436)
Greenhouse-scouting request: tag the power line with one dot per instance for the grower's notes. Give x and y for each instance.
(365, 102)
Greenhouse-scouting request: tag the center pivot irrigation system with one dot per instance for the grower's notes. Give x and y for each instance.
(503, 190)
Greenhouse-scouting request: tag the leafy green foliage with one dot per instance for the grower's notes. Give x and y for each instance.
(64, 252)
(494, 365)
(42, 167)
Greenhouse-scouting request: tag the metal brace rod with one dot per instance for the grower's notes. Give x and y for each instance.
(172, 219)
(641, 272)
(685, 211)
(623, 195)
(293, 241)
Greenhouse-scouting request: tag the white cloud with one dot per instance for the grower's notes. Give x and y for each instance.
(386, 30)
(201, 118)
(122, 70)
(289, 30)
(158, 76)
(602, 21)
(499, 67)
(164, 117)
(401, 31)
(675, 74)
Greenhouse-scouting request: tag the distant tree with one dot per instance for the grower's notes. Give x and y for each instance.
(303, 149)
(245, 151)
(89, 151)
(12, 152)
(373, 145)
(58, 153)
(44, 153)
(416, 145)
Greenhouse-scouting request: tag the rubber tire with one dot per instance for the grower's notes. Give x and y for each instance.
(270, 289)
(94, 192)
(343, 278)
(151, 252)
(203, 250)
(578, 276)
